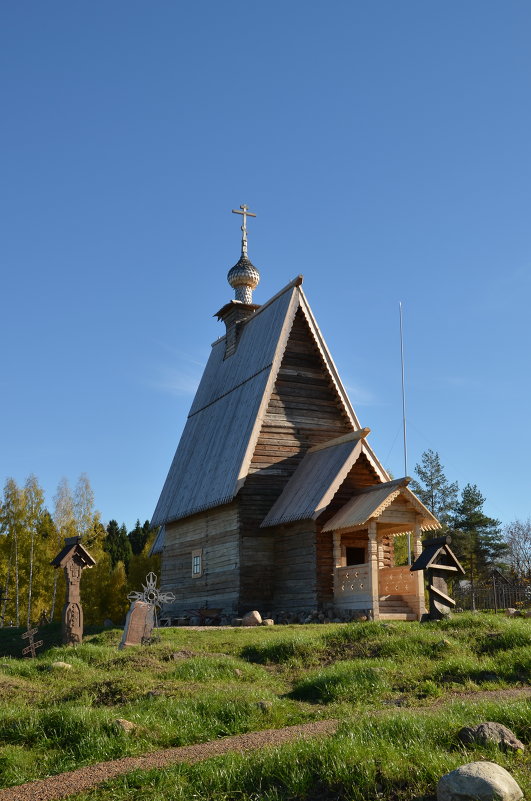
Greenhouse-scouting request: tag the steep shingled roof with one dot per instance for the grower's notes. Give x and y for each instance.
(218, 441)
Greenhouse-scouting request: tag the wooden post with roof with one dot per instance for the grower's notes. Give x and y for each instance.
(275, 499)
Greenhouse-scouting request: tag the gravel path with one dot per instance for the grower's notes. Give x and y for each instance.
(75, 781)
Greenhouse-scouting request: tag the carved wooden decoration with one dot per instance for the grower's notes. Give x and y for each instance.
(439, 562)
(74, 558)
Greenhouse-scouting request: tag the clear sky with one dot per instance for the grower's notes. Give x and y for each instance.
(385, 147)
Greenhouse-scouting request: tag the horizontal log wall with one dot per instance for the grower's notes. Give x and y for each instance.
(257, 573)
(295, 587)
(304, 410)
(216, 532)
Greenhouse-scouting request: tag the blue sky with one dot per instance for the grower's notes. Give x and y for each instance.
(385, 149)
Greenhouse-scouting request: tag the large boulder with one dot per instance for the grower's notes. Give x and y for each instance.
(491, 732)
(478, 781)
(252, 619)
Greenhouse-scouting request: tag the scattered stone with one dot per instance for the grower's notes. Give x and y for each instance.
(265, 706)
(268, 621)
(491, 732)
(510, 612)
(60, 666)
(478, 781)
(238, 672)
(236, 621)
(108, 624)
(121, 724)
(253, 618)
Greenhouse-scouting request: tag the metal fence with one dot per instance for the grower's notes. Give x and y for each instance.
(495, 596)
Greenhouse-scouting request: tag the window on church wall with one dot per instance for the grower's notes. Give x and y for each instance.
(197, 563)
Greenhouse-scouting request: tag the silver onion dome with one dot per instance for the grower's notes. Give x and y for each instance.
(243, 278)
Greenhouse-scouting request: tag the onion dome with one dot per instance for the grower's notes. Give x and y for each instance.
(243, 278)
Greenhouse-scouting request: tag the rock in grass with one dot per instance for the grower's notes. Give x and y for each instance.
(478, 781)
(60, 666)
(121, 724)
(268, 621)
(252, 619)
(491, 732)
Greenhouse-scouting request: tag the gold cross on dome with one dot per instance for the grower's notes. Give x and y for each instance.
(245, 213)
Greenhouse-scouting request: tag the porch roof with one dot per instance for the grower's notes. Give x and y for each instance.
(316, 480)
(372, 501)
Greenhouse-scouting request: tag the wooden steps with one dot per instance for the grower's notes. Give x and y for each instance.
(393, 607)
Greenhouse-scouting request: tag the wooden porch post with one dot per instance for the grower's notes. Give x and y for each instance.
(373, 569)
(420, 605)
(337, 557)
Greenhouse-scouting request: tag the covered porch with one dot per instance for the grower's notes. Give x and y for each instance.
(366, 578)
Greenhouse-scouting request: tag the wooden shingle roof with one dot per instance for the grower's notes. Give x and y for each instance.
(218, 441)
(372, 501)
(316, 480)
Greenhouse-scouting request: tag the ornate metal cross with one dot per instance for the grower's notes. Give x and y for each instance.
(245, 213)
(152, 595)
(30, 649)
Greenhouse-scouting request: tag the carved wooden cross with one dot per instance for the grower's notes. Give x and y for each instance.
(245, 213)
(30, 649)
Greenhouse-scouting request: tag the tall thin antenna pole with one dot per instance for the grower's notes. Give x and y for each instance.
(404, 417)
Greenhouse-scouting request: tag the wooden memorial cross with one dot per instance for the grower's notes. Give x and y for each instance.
(439, 562)
(30, 649)
(74, 558)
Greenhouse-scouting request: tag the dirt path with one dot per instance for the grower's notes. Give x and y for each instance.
(75, 781)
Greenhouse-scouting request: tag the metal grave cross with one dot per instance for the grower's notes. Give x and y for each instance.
(245, 213)
(30, 649)
(152, 595)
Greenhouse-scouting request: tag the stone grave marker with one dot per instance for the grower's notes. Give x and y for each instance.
(142, 616)
(139, 624)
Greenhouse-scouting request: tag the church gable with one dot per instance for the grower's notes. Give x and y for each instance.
(304, 409)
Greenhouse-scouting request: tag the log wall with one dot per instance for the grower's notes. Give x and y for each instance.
(295, 587)
(303, 411)
(216, 532)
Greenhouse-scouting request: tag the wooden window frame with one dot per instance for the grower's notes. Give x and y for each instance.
(197, 559)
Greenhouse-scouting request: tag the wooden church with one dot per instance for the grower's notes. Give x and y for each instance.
(274, 499)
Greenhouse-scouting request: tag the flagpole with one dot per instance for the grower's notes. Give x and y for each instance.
(404, 416)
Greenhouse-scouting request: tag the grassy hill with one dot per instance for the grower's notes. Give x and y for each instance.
(397, 688)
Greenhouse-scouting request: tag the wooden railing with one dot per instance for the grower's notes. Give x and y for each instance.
(352, 580)
(396, 581)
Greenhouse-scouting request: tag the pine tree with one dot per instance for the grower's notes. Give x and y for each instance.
(476, 537)
(434, 489)
(117, 544)
(139, 536)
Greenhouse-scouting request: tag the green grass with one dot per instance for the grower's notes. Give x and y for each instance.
(197, 686)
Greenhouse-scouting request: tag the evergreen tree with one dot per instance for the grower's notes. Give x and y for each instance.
(139, 536)
(117, 544)
(434, 489)
(477, 539)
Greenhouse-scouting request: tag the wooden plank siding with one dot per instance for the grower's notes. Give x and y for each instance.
(295, 587)
(303, 410)
(216, 533)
